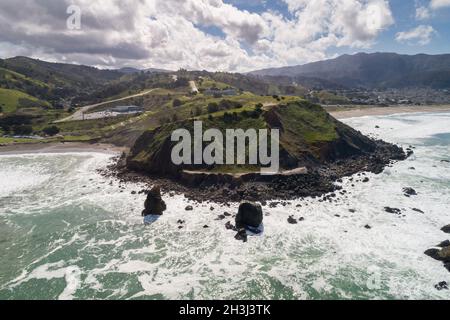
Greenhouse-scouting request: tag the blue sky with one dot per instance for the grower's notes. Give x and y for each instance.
(404, 13)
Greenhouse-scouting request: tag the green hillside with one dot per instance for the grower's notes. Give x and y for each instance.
(308, 136)
(11, 100)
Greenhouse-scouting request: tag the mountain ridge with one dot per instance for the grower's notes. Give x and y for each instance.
(373, 70)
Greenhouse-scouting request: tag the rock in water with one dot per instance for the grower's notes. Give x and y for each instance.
(444, 254)
(241, 235)
(154, 205)
(441, 286)
(249, 214)
(439, 254)
(443, 244)
(291, 220)
(446, 229)
(392, 210)
(409, 192)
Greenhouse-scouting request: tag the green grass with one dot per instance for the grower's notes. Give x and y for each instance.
(11, 100)
(208, 83)
(307, 121)
(8, 140)
(16, 78)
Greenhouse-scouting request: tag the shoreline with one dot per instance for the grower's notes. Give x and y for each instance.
(346, 112)
(338, 112)
(60, 147)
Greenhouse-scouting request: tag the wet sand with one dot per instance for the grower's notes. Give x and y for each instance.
(59, 147)
(362, 111)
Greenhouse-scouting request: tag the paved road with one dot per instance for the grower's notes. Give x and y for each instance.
(78, 115)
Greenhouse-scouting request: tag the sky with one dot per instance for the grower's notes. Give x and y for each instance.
(218, 35)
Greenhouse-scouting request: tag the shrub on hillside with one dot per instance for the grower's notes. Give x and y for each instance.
(51, 131)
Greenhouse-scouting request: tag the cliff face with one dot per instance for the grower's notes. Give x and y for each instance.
(309, 137)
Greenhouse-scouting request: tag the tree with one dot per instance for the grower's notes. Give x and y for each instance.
(22, 130)
(198, 111)
(213, 107)
(51, 131)
(177, 103)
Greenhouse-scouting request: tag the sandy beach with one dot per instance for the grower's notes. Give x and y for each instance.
(362, 111)
(60, 148)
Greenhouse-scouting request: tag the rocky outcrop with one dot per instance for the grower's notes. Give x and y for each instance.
(392, 210)
(154, 204)
(249, 214)
(309, 138)
(446, 228)
(409, 192)
(440, 254)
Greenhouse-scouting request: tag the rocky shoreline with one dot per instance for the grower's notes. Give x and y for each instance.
(318, 181)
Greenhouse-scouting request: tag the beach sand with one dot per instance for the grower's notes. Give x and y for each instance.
(59, 147)
(362, 111)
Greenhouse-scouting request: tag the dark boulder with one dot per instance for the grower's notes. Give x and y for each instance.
(441, 286)
(418, 210)
(291, 220)
(433, 253)
(444, 254)
(409, 192)
(439, 254)
(392, 210)
(189, 208)
(241, 235)
(443, 244)
(446, 229)
(154, 204)
(249, 214)
(230, 226)
(447, 266)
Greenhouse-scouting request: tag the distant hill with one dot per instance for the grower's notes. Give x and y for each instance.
(388, 70)
(60, 73)
(129, 70)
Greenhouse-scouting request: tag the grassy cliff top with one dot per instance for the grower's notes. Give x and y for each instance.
(308, 134)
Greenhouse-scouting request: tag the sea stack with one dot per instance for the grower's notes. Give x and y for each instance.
(154, 205)
(249, 215)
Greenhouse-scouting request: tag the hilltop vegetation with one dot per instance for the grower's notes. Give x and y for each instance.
(309, 136)
(12, 100)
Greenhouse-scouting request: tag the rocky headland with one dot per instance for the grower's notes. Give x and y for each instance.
(316, 150)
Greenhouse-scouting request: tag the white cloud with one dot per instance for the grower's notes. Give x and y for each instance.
(171, 33)
(437, 4)
(421, 35)
(422, 13)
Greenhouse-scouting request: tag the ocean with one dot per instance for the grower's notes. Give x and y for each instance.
(66, 232)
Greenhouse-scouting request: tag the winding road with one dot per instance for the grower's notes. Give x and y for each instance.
(78, 115)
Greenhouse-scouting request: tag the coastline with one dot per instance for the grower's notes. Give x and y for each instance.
(60, 147)
(346, 112)
(339, 112)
